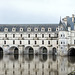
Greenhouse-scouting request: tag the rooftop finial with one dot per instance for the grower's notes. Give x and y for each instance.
(60, 20)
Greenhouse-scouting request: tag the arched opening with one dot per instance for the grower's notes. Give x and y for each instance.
(29, 50)
(54, 51)
(16, 51)
(13, 50)
(1, 51)
(71, 52)
(42, 50)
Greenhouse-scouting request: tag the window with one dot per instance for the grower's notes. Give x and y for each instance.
(61, 42)
(28, 35)
(20, 42)
(13, 35)
(49, 29)
(6, 35)
(49, 35)
(21, 29)
(57, 42)
(28, 29)
(42, 29)
(42, 35)
(35, 42)
(6, 29)
(21, 35)
(4, 42)
(13, 29)
(48, 42)
(35, 35)
(35, 29)
(28, 41)
(42, 41)
(13, 41)
(61, 35)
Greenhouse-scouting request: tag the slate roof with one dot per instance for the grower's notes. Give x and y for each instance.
(25, 26)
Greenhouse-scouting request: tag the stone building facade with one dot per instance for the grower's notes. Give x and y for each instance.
(38, 38)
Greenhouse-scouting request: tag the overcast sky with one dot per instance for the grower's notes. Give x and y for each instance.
(35, 11)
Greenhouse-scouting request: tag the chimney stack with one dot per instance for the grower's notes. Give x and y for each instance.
(73, 18)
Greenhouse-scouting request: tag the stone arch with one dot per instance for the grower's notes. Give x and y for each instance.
(29, 50)
(1, 53)
(54, 50)
(42, 50)
(71, 52)
(1, 50)
(13, 50)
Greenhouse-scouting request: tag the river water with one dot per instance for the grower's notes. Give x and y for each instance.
(36, 65)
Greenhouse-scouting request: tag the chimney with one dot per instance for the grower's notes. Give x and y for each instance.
(73, 18)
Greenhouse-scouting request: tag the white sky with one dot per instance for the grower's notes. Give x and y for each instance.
(35, 11)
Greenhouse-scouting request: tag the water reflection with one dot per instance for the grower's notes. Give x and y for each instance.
(28, 57)
(43, 57)
(1, 56)
(14, 57)
(71, 59)
(36, 65)
(54, 57)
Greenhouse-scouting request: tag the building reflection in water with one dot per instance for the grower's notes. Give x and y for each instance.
(36, 65)
(1, 56)
(71, 59)
(43, 57)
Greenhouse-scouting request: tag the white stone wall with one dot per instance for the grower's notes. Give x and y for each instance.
(9, 40)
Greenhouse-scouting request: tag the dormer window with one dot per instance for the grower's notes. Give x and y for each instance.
(29, 29)
(6, 29)
(13, 29)
(49, 29)
(57, 29)
(21, 29)
(35, 29)
(42, 29)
